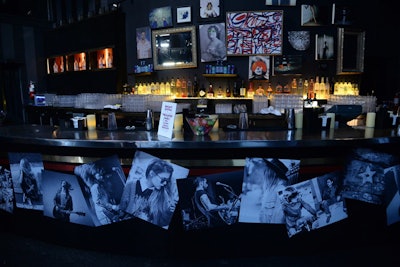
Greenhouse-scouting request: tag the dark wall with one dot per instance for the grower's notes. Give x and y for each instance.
(107, 30)
(137, 16)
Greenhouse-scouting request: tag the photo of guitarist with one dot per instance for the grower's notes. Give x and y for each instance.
(204, 203)
(63, 204)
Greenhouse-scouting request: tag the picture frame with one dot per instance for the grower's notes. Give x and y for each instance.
(210, 9)
(280, 2)
(287, 65)
(143, 42)
(324, 47)
(315, 15)
(343, 14)
(247, 33)
(259, 67)
(160, 17)
(212, 42)
(184, 14)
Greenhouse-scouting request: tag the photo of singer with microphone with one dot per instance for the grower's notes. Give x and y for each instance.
(211, 200)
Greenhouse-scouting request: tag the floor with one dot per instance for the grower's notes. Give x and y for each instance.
(17, 250)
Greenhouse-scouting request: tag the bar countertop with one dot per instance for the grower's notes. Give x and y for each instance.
(141, 139)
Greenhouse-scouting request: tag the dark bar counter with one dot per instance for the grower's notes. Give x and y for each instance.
(223, 150)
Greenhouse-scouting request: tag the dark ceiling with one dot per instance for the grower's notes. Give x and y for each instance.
(27, 8)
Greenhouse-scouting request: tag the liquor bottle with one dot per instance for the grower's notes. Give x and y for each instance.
(167, 87)
(202, 91)
(178, 87)
(305, 89)
(279, 89)
(242, 90)
(190, 88)
(184, 88)
(260, 91)
(210, 92)
(269, 90)
(162, 88)
(293, 86)
(195, 86)
(173, 86)
(311, 88)
(236, 89)
(300, 87)
(228, 91)
(250, 92)
(220, 92)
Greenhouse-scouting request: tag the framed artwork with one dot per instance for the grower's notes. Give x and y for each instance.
(313, 15)
(324, 47)
(259, 67)
(210, 9)
(160, 17)
(212, 42)
(280, 2)
(143, 44)
(183, 14)
(342, 14)
(287, 65)
(254, 32)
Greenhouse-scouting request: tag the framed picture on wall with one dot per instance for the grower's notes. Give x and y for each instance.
(212, 42)
(287, 65)
(280, 2)
(210, 9)
(143, 44)
(324, 47)
(259, 67)
(183, 14)
(160, 17)
(342, 14)
(247, 32)
(315, 15)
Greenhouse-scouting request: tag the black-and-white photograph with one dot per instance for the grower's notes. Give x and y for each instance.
(210, 201)
(151, 192)
(331, 205)
(364, 175)
(315, 15)
(313, 203)
(392, 194)
(6, 190)
(184, 14)
(26, 172)
(263, 178)
(212, 42)
(63, 199)
(343, 14)
(324, 47)
(210, 9)
(160, 17)
(280, 2)
(102, 183)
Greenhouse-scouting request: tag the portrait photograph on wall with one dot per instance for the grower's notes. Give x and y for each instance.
(212, 42)
(183, 14)
(143, 43)
(324, 47)
(316, 15)
(287, 64)
(254, 33)
(343, 14)
(280, 2)
(160, 17)
(210, 9)
(259, 67)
